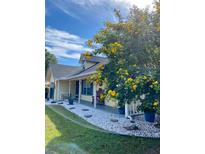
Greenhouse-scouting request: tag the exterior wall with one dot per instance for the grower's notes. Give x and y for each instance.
(64, 86)
(64, 89)
(73, 88)
(86, 98)
(51, 78)
(111, 102)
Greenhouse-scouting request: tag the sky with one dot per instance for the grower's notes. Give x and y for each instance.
(70, 23)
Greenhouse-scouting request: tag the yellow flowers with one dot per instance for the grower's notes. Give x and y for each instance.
(112, 93)
(145, 77)
(126, 72)
(87, 54)
(113, 50)
(90, 43)
(155, 104)
(114, 47)
(134, 87)
(122, 73)
(100, 67)
(129, 79)
(155, 82)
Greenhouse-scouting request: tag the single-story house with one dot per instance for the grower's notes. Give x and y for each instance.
(64, 80)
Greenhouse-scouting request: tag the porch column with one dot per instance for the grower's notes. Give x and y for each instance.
(126, 110)
(49, 91)
(79, 91)
(59, 91)
(69, 88)
(94, 94)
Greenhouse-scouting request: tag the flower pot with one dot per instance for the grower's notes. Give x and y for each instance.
(70, 101)
(121, 110)
(149, 116)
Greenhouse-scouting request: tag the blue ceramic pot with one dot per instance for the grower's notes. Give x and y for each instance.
(149, 116)
(121, 110)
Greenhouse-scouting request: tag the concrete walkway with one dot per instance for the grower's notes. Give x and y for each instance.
(111, 121)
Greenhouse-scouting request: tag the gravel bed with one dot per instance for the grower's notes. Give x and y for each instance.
(102, 119)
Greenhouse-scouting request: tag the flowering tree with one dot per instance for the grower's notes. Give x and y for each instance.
(132, 47)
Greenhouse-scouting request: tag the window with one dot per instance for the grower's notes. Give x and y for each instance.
(87, 88)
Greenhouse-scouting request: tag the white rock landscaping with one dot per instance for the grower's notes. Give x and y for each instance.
(115, 123)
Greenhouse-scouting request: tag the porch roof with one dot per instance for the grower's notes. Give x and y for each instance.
(83, 73)
(60, 71)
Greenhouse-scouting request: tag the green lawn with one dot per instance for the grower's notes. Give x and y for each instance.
(66, 137)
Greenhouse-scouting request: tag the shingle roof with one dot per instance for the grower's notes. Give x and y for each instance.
(70, 72)
(88, 71)
(95, 59)
(60, 71)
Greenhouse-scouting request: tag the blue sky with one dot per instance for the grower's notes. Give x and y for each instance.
(70, 23)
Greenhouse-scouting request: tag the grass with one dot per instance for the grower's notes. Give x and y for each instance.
(66, 137)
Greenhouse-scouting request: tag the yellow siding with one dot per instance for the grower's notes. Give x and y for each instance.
(51, 78)
(72, 88)
(86, 98)
(111, 102)
(64, 86)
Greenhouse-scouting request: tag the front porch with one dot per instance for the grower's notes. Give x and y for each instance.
(101, 107)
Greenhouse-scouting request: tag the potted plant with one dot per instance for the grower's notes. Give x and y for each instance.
(71, 99)
(149, 110)
(148, 93)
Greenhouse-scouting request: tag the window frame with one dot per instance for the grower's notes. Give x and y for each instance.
(87, 88)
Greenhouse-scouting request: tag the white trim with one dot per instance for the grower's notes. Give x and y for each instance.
(79, 91)
(69, 87)
(77, 76)
(94, 94)
(126, 110)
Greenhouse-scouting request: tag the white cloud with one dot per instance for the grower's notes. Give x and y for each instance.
(139, 3)
(64, 44)
(97, 9)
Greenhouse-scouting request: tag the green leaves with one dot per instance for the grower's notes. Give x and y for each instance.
(133, 48)
(49, 59)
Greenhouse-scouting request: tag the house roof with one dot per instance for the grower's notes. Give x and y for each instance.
(64, 72)
(95, 59)
(88, 71)
(60, 70)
